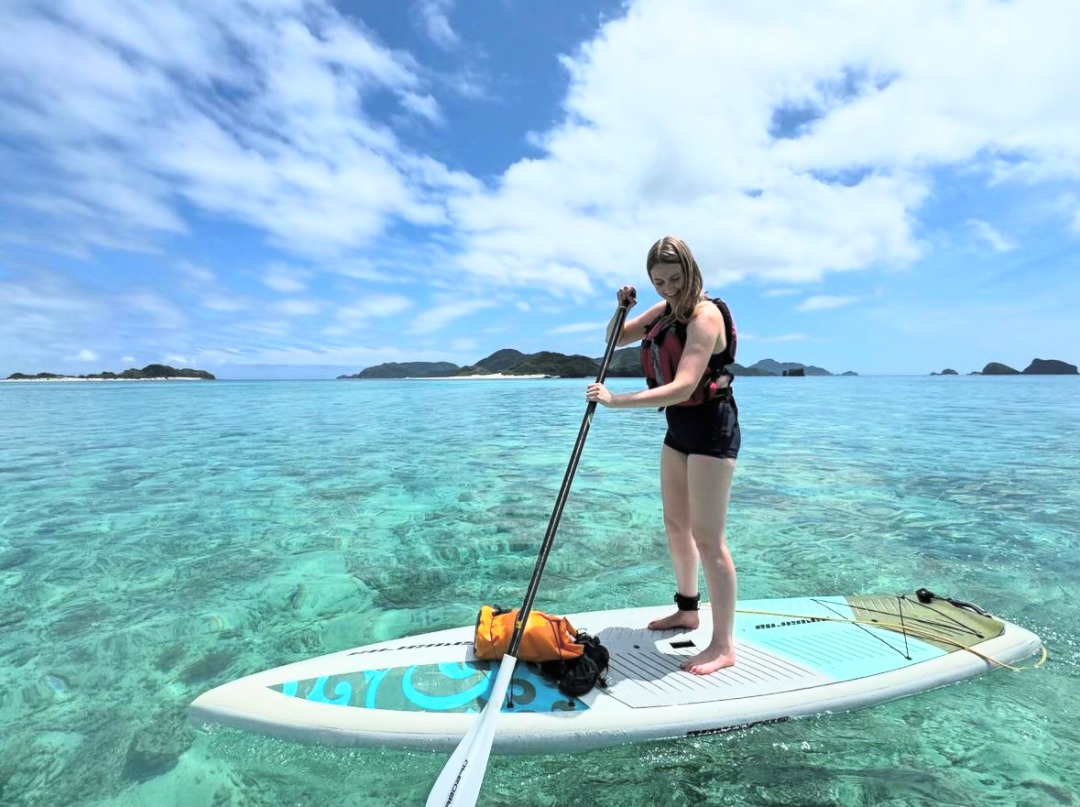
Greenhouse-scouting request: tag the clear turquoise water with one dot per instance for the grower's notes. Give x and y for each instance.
(157, 539)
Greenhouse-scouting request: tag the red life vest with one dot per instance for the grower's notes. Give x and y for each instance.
(662, 348)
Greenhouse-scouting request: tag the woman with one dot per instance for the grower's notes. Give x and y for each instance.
(688, 341)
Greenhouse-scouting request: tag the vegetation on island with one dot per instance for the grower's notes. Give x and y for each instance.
(150, 371)
(1037, 367)
(556, 364)
(409, 369)
(782, 368)
(625, 362)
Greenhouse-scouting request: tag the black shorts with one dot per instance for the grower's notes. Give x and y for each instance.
(711, 429)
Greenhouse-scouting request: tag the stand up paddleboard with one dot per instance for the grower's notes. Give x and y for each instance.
(795, 657)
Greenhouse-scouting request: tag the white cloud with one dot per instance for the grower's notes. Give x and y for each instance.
(988, 234)
(702, 140)
(580, 327)
(782, 151)
(360, 314)
(824, 302)
(259, 116)
(197, 276)
(785, 141)
(44, 293)
(435, 318)
(163, 312)
(224, 302)
(424, 106)
(272, 329)
(298, 308)
(435, 22)
(206, 287)
(788, 337)
(348, 356)
(781, 292)
(285, 279)
(83, 355)
(469, 82)
(462, 345)
(47, 318)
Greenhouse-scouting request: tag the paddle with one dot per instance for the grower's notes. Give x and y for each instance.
(459, 782)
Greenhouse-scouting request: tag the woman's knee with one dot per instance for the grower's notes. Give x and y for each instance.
(709, 542)
(677, 528)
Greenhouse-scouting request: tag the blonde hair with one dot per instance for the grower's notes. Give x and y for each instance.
(670, 249)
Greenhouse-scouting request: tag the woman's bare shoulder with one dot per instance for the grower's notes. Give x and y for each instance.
(646, 317)
(635, 327)
(654, 310)
(707, 317)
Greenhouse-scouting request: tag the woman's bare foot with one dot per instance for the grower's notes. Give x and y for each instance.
(709, 660)
(684, 620)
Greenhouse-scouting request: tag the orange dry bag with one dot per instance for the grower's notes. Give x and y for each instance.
(546, 638)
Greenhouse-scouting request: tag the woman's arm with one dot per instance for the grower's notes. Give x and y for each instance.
(701, 336)
(634, 329)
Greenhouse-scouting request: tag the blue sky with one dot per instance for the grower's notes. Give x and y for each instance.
(302, 188)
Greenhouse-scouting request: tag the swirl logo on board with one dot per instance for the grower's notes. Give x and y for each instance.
(447, 687)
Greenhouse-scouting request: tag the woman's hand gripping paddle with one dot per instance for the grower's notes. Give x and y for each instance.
(459, 783)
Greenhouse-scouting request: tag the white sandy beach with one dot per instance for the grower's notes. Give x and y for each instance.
(487, 376)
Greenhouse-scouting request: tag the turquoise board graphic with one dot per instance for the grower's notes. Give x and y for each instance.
(448, 687)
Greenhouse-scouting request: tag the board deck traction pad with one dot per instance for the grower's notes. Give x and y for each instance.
(782, 645)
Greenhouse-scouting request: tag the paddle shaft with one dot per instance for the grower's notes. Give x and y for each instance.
(460, 780)
(568, 478)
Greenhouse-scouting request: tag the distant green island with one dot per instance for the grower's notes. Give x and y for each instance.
(151, 372)
(1037, 367)
(625, 363)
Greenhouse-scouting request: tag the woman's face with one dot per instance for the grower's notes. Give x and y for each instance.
(667, 279)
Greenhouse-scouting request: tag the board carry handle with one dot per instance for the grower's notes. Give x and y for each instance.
(459, 781)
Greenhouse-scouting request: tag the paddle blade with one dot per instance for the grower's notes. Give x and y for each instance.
(459, 782)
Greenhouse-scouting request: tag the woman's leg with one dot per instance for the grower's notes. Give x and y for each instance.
(709, 488)
(684, 555)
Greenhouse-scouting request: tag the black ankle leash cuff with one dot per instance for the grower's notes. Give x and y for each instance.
(684, 603)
